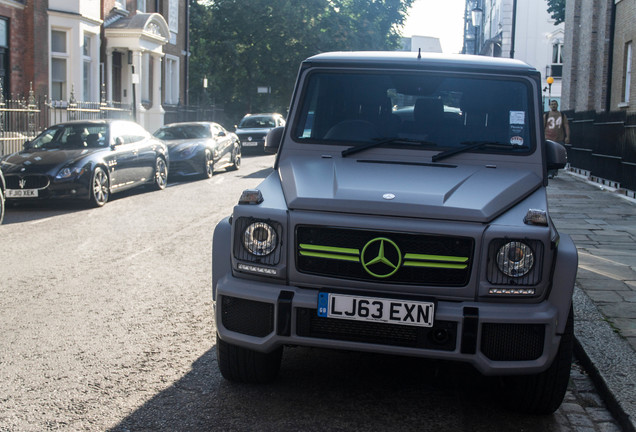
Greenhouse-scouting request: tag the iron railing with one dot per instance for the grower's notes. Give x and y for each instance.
(604, 144)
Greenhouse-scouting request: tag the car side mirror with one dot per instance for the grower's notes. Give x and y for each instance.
(273, 140)
(118, 141)
(555, 154)
(27, 145)
(222, 134)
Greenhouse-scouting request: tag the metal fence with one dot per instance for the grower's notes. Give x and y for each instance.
(604, 144)
(22, 119)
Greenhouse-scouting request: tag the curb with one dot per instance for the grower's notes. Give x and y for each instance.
(609, 359)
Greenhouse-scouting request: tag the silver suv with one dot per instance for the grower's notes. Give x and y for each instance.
(406, 214)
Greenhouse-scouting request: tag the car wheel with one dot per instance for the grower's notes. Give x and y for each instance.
(100, 188)
(543, 393)
(2, 207)
(236, 159)
(208, 167)
(161, 174)
(247, 366)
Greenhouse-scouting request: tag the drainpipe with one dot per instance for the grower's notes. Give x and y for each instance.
(610, 59)
(514, 29)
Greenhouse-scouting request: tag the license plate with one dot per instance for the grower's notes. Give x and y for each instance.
(376, 309)
(249, 144)
(22, 193)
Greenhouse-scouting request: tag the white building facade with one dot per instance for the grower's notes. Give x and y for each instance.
(520, 29)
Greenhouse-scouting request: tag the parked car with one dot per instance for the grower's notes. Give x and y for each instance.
(252, 129)
(86, 160)
(426, 234)
(2, 194)
(200, 148)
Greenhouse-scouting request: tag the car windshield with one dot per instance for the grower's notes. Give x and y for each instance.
(75, 136)
(169, 133)
(257, 122)
(422, 110)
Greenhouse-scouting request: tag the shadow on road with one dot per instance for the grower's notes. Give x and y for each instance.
(331, 390)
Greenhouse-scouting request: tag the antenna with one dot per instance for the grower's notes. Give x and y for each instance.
(419, 53)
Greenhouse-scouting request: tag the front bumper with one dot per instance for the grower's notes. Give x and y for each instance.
(496, 338)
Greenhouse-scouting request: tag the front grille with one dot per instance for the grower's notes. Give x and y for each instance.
(403, 258)
(512, 342)
(29, 181)
(247, 316)
(440, 337)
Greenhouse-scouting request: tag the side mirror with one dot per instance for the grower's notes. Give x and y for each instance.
(27, 145)
(118, 141)
(555, 154)
(273, 140)
(222, 134)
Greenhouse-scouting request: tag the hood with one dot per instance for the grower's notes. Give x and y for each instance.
(252, 130)
(470, 193)
(182, 144)
(42, 161)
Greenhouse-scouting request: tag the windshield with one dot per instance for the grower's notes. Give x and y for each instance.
(257, 122)
(416, 110)
(183, 132)
(75, 136)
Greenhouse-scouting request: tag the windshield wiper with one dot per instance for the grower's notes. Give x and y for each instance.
(382, 141)
(471, 145)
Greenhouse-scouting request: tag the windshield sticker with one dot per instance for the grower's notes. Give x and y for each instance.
(516, 129)
(516, 140)
(517, 117)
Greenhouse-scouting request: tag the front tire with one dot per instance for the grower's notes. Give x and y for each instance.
(236, 159)
(247, 366)
(543, 393)
(208, 165)
(161, 174)
(100, 188)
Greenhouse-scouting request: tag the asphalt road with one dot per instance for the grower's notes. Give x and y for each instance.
(106, 319)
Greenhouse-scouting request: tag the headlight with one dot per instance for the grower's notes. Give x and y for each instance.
(515, 259)
(260, 238)
(69, 172)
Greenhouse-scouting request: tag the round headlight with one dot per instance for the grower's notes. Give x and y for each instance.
(515, 259)
(259, 238)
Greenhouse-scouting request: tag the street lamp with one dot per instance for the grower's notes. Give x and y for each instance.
(549, 80)
(476, 13)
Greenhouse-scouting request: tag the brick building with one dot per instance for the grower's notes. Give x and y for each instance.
(598, 56)
(130, 51)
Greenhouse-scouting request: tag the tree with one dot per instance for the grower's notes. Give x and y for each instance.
(240, 45)
(556, 8)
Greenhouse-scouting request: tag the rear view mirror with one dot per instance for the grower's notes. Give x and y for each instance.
(273, 140)
(555, 154)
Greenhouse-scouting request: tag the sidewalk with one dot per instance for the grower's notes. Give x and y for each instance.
(602, 224)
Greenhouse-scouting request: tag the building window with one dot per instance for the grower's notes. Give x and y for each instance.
(171, 80)
(141, 5)
(59, 56)
(556, 69)
(120, 4)
(87, 67)
(627, 72)
(4, 57)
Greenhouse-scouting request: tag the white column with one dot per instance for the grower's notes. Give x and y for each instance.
(155, 115)
(108, 71)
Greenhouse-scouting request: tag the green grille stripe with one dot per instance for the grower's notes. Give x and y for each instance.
(435, 257)
(337, 250)
(434, 265)
(330, 256)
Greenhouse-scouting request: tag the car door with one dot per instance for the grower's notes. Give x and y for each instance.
(145, 149)
(223, 144)
(123, 158)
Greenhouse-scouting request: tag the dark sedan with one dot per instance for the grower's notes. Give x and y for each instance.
(86, 160)
(200, 148)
